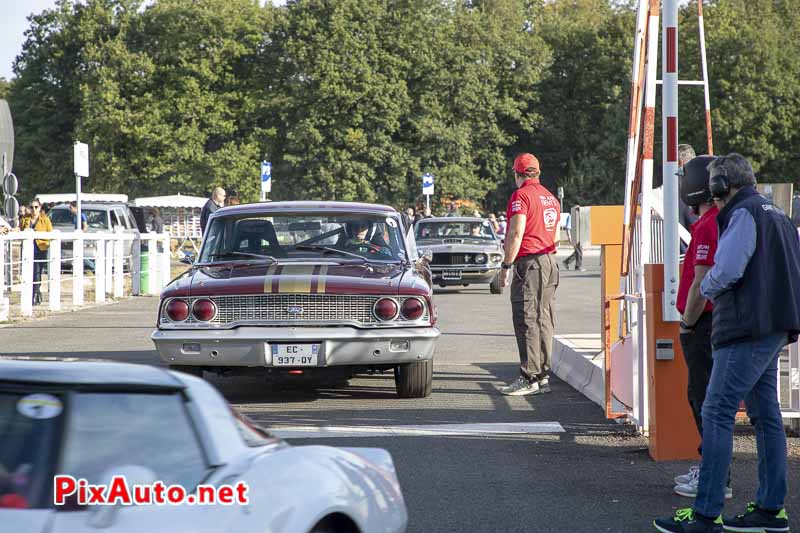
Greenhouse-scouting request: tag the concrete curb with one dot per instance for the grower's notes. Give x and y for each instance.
(583, 371)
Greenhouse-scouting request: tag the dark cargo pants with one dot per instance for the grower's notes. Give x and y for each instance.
(699, 362)
(533, 286)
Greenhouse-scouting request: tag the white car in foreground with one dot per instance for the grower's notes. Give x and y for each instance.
(97, 420)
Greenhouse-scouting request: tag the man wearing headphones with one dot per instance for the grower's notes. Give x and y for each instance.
(755, 287)
(693, 306)
(530, 247)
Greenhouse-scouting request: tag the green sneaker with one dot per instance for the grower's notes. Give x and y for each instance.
(686, 521)
(756, 520)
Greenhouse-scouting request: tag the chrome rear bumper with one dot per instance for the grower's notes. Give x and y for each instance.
(339, 346)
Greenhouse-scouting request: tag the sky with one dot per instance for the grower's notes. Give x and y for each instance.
(13, 24)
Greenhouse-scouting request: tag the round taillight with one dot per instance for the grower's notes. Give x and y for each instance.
(412, 309)
(204, 310)
(385, 309)
(178, 310)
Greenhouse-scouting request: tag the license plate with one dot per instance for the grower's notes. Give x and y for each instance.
(295, 354)
(451, 274)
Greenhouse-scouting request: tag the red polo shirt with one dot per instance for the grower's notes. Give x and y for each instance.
(700, 252)
(542, 212)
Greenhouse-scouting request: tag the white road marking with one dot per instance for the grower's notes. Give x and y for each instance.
(321, 432)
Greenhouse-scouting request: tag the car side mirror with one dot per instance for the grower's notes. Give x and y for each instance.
(187, 259)
(104, 516)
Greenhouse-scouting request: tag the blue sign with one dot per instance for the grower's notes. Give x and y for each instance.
(427, 184)
(266, 176)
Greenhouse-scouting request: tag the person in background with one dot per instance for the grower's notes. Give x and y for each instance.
(156, 222)
(427, 213)
(754, 287)
(686, 215)
(408, 217)
(452, 210)
(39, 222)
(530, 248)
(493, 222)
(577, 254)
(695, 333)
(233, 199)
(502, 224)
(216, 201)
(73, 209)
(476, 214)
(5, 227)
(24, 216)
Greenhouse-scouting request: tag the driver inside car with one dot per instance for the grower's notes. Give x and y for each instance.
(362, 238)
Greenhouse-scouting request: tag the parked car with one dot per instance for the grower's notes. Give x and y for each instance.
(464, 251)
(101, 217)
(303, 288)
(97, 420)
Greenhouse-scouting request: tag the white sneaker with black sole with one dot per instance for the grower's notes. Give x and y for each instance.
(689, 490)
(544, 384)
(521, 387)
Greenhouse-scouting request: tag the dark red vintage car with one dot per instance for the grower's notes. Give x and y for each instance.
(303, 288)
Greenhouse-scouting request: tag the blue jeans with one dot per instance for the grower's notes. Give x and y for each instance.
(744, 371)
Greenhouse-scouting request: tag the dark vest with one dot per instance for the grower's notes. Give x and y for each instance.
(766, 300)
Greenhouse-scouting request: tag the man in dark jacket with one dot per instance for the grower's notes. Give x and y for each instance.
(216, 201)
(755, 287)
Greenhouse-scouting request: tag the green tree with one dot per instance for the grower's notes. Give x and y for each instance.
(45, 98)
(753, 49)
(171, 102)
(473, 71)
(5, 88)
(584, 99)
(341, 97)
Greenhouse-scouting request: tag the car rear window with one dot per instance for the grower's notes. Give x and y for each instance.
(109, 430)
(96, 218)
(30, 425)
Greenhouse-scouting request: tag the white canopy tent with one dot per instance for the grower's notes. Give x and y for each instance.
(62, 198)
(175, 200)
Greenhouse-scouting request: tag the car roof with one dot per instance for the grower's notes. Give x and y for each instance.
(271, 207)
(452, 219)
(84, 373)
(93, 204)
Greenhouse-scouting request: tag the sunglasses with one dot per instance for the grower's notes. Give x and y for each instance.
(35, 206)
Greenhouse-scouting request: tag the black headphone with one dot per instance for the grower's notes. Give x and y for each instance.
(718, 182)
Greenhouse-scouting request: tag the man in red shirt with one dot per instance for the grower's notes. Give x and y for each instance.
(530, 247)
(694, 308)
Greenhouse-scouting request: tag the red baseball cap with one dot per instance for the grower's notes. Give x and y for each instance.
(526, 164)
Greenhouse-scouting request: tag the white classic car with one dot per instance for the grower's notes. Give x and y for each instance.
(97, 420)
(462, 251)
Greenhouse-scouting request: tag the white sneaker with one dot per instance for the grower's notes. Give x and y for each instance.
(693, 473)
(544, 384)
(520, 387)
(689, 490)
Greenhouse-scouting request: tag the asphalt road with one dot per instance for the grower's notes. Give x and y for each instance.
(595, 476)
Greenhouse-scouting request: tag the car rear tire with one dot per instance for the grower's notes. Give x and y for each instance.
(495, 287)
(414, 380)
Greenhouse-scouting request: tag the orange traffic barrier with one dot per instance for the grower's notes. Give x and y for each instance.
(673, 434)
